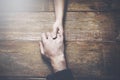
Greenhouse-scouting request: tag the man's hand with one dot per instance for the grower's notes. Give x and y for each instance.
(57, 28)
(53, 49)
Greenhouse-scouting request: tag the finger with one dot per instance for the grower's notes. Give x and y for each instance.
(41, 48)
(49, 35)
(43, 37)
(60, 31)
(60, 36)
(54, 33)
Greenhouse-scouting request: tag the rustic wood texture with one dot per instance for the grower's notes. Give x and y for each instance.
(22, 78)
(47, 5)
(88, 26)
(92, 36)
(24, 59)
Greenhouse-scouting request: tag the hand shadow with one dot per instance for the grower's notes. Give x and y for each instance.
(47, 62)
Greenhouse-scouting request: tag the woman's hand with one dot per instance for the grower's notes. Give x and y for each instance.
(57, 28)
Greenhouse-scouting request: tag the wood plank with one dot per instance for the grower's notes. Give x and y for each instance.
(22, 58)
(99, 36)
(84, 26)
(93, 46)
(93, 5)
(38, 21)
(22, 5)
(21, 78)
(109, 64)
(47, 5)
(117, 23)
(115, 5)
(111, 61)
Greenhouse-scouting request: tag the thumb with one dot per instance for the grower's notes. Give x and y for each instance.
(41, 48)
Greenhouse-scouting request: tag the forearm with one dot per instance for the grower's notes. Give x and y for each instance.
(59, 10)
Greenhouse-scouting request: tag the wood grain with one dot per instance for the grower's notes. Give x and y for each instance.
(47, 5)
(22, 58)
(79, 26)
(111, 61)
(79, 20)
(104, 36)
(21, 78)
(91, 34)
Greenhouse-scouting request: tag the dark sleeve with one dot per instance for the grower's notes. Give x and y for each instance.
(61, 75)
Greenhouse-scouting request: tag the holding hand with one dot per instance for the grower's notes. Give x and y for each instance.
(53, 49)
(57, 28)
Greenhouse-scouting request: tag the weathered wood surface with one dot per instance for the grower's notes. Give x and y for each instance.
(22, 58)
(21, 78)
(47, 5)
(91, 30)
(99, 36)
(75, 20)
(85, 26)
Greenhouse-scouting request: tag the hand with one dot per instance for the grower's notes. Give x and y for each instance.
(57, 28)
(53, 49)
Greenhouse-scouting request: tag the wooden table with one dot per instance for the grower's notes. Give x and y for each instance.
(91, 35)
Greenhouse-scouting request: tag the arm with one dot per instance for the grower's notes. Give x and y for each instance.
(59, 10)
(59, 13)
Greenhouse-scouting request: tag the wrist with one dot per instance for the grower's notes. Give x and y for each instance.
(58, 63)
(59, 21)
